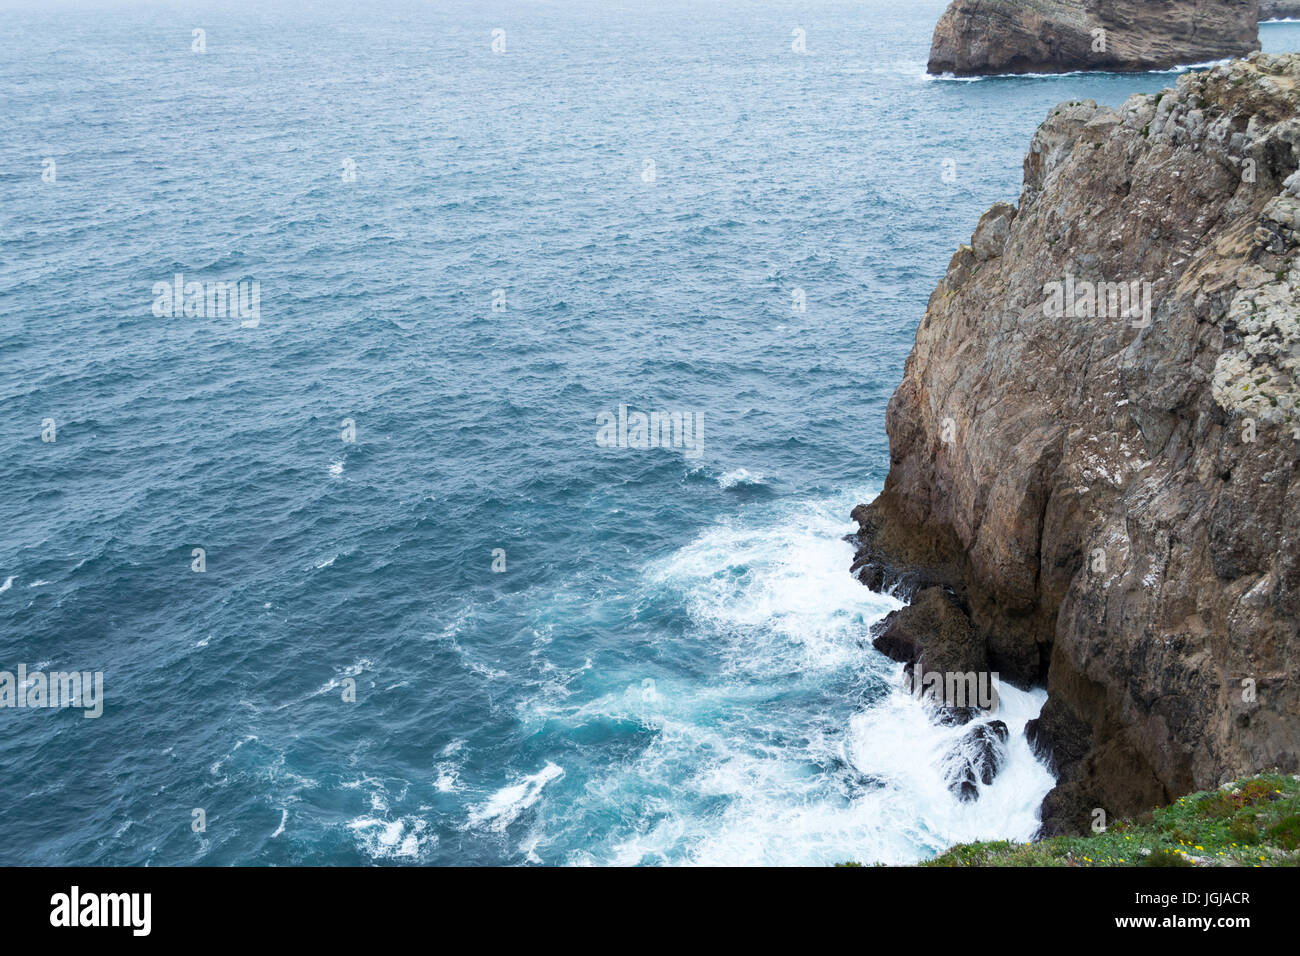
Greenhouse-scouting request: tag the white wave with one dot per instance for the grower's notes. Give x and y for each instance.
(897, 742)
(1207, 64)
(1177, 68)
(949, 78)
(336, 469)
(740, 477)
(353, 670)
(284, 817)
(8, 582)
(758, 755)
(403, 838)
(37, 584)
(529, 849)
(504, 807)
(777, 809)
(220, 762)
(778, 591)
(491, 673)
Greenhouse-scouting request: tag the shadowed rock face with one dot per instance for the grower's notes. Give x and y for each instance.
(1114, 502)
(978, 37)
(1279, 9)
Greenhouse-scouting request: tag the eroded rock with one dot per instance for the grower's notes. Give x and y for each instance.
(977, 758)
(1114, 503)
(978, 37)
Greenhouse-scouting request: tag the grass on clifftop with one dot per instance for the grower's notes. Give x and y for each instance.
(1252, 822)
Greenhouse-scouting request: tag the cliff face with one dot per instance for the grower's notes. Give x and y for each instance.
(975, 37)
(1112, 496)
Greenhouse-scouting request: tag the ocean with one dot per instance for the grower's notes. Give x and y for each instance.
(365, 580)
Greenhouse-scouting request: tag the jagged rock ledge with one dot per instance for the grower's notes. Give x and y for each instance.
(983, 37)
(1107, 501)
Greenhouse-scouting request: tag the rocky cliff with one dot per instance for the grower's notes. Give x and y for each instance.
(1095, 448)
(975, 37)
(1279, 9)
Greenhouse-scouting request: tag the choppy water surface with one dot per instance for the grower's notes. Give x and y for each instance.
(673, 666)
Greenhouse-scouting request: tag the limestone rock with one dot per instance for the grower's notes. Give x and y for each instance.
(1111, 500)
(1279, 10)
(977, 37)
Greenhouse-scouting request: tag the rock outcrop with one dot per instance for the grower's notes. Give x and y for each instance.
(934, 632)
(1095, 448)
(1279, 10)
(980, 37)
(976, 759)
(932, 637)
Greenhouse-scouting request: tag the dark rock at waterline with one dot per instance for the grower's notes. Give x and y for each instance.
(956, 716)
(933, 637)
(933, 631)
(885, 567)
(900, 552)
(976, 758)
(987, 738)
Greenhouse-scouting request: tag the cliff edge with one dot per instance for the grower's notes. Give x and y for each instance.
(1095, 448)
(978, 37)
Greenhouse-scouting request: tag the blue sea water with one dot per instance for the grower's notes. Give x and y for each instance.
(673, 666)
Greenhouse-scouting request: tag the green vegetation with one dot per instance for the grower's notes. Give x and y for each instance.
(1252, 822)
